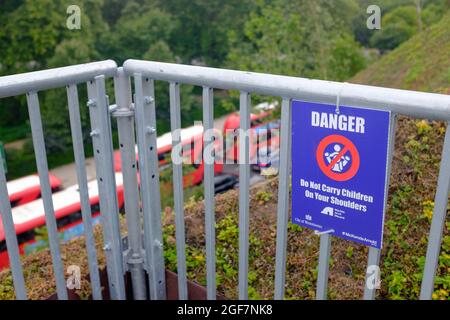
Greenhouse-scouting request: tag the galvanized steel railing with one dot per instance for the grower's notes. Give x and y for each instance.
(30, 83)
(147, 253)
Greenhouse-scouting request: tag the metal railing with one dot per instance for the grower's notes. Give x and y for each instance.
(139, 119)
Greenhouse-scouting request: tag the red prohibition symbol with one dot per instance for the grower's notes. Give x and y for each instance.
(347, 146)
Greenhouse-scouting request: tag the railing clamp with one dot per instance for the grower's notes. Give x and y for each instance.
(91, 103)
(148, 99)
(135, 259)
(132, 259)
(112, 108)
(158, 244)
(94, 133)
(122, 112)
(150, 130)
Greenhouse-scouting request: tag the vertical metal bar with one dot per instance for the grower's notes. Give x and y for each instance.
(11, 239)
(103, 156)
(177, 165)
(125, 126)
(372, 260)
(150, 193)
(210, 221)
(438, 221)
(46, 192)
(324, 263)
(244, 189)
(283, 198)
(374, 253)
(78, 150)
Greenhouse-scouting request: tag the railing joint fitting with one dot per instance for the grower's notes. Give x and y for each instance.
(150, 130)
(94, 133)
(91, 103)
(148, 99)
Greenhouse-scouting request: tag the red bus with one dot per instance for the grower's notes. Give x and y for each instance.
(28, 188)
(28, 217)
(192, 144)
(263, 138)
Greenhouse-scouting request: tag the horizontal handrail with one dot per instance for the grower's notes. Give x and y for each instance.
(54, 78)
(416, 104)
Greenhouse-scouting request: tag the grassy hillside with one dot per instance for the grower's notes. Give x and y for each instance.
(422, 63)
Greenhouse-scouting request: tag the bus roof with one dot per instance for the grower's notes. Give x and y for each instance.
(32, 214)
(21, 186)
(164, 142)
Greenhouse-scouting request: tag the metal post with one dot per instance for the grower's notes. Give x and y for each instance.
(177, 165)
(244, 189)
(125, 125)
(438, 221)
(150, 194)
(78, 150)
(46, 192)
(283, 198)
(324, 264)
(374, 253)
(11, 239)
(103, 156)
(372, 260)
(210, 221)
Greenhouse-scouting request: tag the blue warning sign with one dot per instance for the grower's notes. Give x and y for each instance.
(339, 170)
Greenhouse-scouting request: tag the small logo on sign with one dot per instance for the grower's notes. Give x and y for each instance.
(328, 211)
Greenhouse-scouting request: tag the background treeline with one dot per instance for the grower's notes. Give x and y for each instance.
(309, 38)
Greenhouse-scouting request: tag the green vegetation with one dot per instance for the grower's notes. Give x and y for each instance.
(276, 36)
(10, 134)
(419, 64)
(320, 39)
(401, 19)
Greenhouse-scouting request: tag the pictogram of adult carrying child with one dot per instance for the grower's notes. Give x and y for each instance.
(341, 163)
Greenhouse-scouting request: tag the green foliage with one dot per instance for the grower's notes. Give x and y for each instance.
(201, 27)
(7, 288)
(263, 196)
(302, 38)
(299, 49)
(34, 29)
(137, 30)
(397, 27)
(20, 162)
(13, 133)
(413, 64)
(400, 20)
(347, 59)
(227, 244)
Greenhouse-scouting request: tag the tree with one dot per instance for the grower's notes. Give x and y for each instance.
(201, 27)
(397, 26)
(35, 36)
(55, 114)
(289, 38)
(139, 27)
